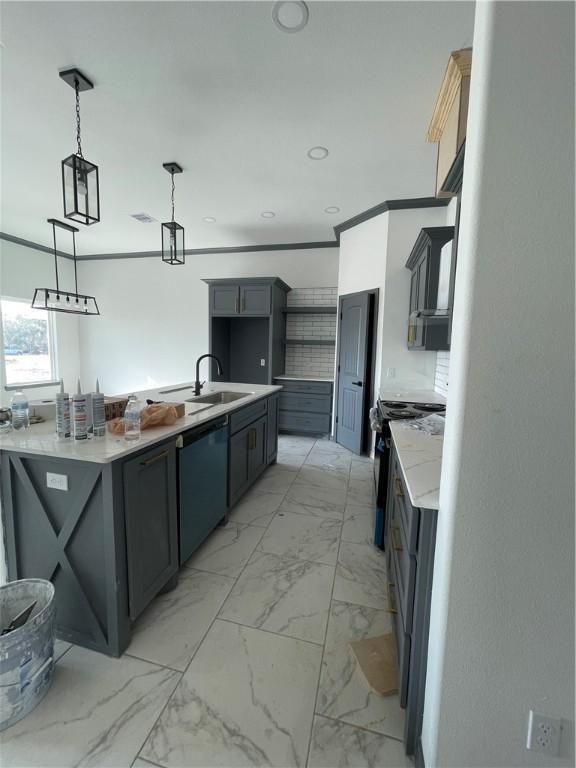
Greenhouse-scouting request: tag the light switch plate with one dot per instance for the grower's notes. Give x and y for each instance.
(262, 362)
(59, 482)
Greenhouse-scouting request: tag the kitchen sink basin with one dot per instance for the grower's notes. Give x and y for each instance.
(219, 398)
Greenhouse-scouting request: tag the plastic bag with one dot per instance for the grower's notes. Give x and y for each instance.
(157, 415)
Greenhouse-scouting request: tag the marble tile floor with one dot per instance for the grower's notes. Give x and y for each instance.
(246, 662)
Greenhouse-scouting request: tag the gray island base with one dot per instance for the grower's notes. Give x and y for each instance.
(107, 535)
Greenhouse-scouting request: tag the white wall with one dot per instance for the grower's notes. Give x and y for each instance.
(22, 270)
(373, 255)
(154, 317)
(502, 631)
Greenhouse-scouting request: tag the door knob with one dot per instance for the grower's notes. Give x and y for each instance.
(357, 383)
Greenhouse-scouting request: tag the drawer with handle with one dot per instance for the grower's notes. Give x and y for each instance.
(403, 644)
(305, 422)
(306, 387)
(409, 516)
(290, 401)
(240, 419)
(404, 570)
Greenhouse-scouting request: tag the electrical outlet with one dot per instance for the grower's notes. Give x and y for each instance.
(263, 362)
(59, 482)
(543, 734)
(391, 373)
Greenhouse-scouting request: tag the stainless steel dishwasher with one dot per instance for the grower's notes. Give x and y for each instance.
(202, 483)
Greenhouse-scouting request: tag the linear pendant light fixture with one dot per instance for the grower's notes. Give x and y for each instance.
(79, 177)
(56, 300)
(172, 232)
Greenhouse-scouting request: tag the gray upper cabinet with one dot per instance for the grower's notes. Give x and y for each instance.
(430, 298)
(151, 515)
(255, 300)
(224, 300)
(247, 327)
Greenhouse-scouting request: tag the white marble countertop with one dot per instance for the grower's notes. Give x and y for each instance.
(40, 438)
(411, 395)
(305, 377)
(420, 456)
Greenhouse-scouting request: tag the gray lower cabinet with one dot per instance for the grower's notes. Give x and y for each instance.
(272, 431)
(151, 516)
(248, 457)
(305, 406)
(410, 541)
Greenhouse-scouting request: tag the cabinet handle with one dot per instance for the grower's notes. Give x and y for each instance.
(394, 530)
(391, 606)
(398, 488)
(237, 305)
(154, 459)
(252, 439)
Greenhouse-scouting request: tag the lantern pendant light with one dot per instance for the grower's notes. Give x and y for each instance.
(79, 176)
(172, 232)
(57, 300)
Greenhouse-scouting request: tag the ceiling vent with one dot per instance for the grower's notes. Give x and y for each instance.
(143, 218)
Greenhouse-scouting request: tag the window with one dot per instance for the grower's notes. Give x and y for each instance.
(28, 343)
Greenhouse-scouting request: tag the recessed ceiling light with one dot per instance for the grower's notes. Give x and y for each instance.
(209, 219)
(143, 218)
(290, 15)
(318, 153)
(332, 209)
(267, 214)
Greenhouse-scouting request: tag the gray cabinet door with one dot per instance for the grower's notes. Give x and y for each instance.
(238, 465)
(257, 446)
(151, 516)
(255, 300)
(272, 435)
(224, 300)
(247, 458)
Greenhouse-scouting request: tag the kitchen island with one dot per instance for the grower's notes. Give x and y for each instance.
(100, 517)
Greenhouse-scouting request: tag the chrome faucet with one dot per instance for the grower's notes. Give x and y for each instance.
(197, 384)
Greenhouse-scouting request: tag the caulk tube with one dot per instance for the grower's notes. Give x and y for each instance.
(98, 412)
(79, 415)
(62, 414)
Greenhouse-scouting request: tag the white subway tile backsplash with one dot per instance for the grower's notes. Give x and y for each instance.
(317, 359)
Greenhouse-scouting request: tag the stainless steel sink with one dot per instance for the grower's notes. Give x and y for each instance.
(219, 398)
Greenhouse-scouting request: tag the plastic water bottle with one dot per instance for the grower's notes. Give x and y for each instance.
(132, 419)
(20, 412)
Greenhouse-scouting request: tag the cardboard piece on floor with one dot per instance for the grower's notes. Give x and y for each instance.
(376, 657)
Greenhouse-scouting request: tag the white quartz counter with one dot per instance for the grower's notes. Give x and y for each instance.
(40, 438)
(411, 396)
(420, 456)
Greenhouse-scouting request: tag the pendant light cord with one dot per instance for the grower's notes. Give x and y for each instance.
(75, 268)
(55, 258)
(173, 188)
(77, 89)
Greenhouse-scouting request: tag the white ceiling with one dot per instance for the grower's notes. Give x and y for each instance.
(218, 88)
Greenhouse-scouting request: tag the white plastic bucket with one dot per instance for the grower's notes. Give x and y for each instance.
(26, 654)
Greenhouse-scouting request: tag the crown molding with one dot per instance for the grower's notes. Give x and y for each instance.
(389, 205)
(158, 254)
(459, 66)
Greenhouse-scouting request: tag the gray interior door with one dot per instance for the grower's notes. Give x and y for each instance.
(352, 366)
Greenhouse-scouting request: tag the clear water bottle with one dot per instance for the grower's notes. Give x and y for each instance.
(20, 411)
(132, 419)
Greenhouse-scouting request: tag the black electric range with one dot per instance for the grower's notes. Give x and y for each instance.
(392, 410)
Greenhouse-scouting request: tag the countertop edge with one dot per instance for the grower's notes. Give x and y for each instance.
(147, 440)
(428, 499)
